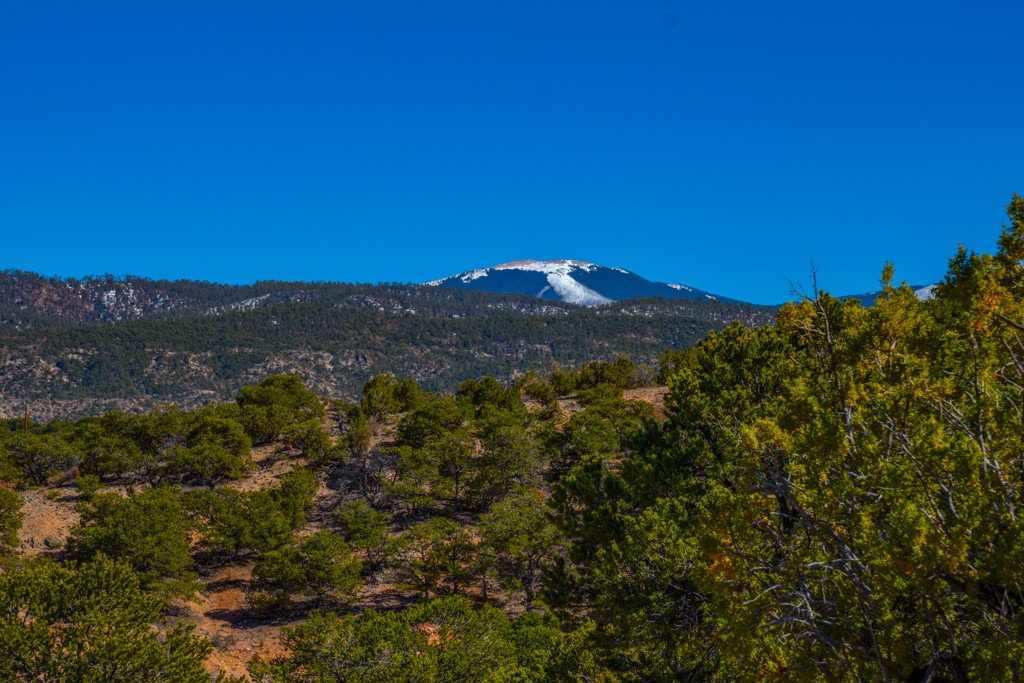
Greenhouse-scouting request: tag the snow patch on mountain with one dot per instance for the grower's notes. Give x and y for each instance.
(473, 275)
(573, 292)
(682, 288)
(559, 267)
(925, 293)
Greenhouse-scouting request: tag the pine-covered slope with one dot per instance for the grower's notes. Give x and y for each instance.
(29, 300)
(65, 352)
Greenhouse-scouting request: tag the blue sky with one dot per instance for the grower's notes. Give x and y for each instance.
(724, 145)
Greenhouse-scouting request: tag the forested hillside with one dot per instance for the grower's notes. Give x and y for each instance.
(833, 497)
(207, 345)
(28, 300)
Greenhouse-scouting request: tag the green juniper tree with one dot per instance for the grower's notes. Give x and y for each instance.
(92, 624)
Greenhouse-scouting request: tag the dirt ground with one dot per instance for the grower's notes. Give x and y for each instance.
(224, 614)
(49, 517)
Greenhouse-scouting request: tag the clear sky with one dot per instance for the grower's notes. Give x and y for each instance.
(724, 145)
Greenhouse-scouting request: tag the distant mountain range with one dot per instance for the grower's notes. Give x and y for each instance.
(78, 347)
(71, 347)
(575, 282)
(590, 284)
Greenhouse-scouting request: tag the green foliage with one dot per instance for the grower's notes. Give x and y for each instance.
(368, 648)
(9, 472)
(431, 422)
(366, 529)
(207, 463)
(437, 556)
(603, 428)
(237, 524)
(312, 441)
(149, 531)
(321, 565)
(214, 448)
(563, 382)
(536, 636)
(587, 433)
(622, 373)
(590, 505)
(444, 641)
(274, 404)
(295, 495)
(599, 394)
(107, 445)
(39, 456)
(537, 388)
(511, 458)
(618, 373)
(203, 446)
(408, 394)
(225, 432)
(579, 657)
(488, 395)
(382, 397)
(264, 423)
(415, 484)
(520, 535)
(639, 584)
(10, 519)
(358, 436)
(833, 498)
(155, 432)
(672, 362)
(90, 624)
(111, 456)
(88, 485)
(453, 455)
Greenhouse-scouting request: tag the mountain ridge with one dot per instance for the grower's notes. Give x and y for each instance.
(570, 280)
(70, 347)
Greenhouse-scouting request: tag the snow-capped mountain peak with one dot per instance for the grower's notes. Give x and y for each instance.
(577, 282)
